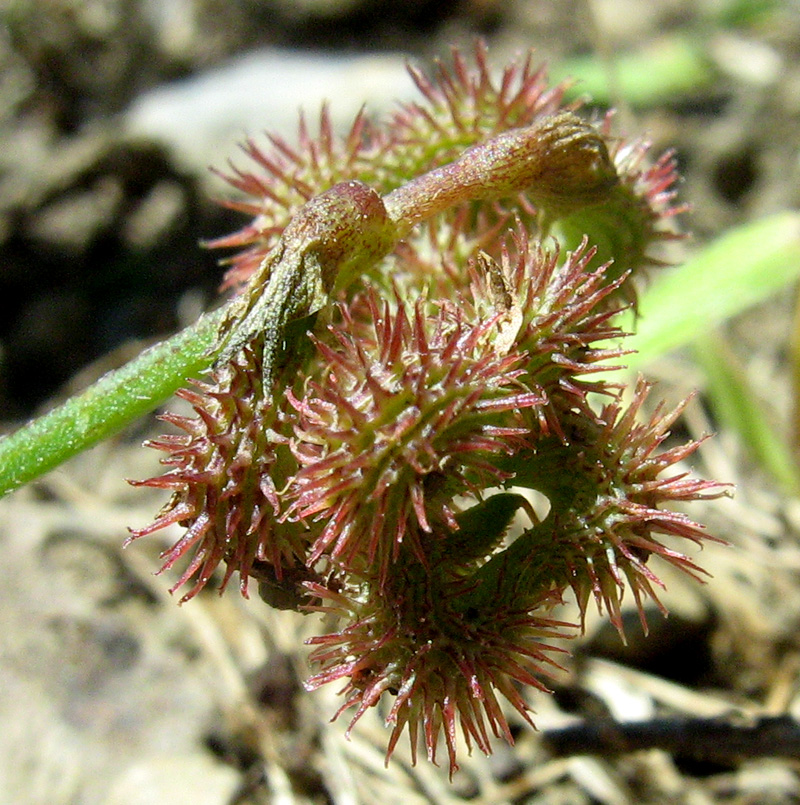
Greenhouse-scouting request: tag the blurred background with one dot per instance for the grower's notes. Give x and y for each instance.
(111, 114)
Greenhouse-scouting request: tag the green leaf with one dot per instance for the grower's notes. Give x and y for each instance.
(739, 269)
(685, 305)
(737, 406)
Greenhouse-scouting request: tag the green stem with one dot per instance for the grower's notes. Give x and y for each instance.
(526, 565)
(561, 162)
(107, 406)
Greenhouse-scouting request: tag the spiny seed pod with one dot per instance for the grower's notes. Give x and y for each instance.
(352, 456)
(637, 214)
(613, 538)
(607, 479)
(222, 477)
(559, 315)
(445, 670)
(400, 422)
